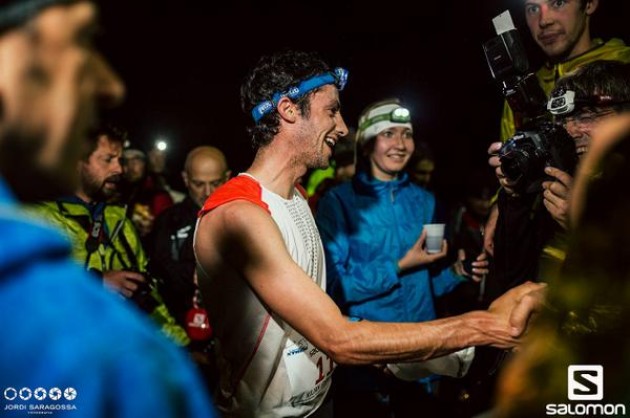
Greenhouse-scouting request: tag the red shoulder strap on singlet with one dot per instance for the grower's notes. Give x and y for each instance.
(302, 191)
(238, 188)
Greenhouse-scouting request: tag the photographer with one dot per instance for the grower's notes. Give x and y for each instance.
(599, 90)
(562, 30)
(592, 93)
(104, 239)
(587, 317)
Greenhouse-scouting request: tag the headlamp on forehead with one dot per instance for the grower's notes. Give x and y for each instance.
(398, 115)
(14, 13)
(338, 77)
(562, 102)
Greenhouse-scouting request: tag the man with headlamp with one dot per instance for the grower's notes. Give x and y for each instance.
(580, 102)
(261, 265)
(562, 29)
(533, 233)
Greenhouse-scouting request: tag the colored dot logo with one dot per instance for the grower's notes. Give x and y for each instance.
(54, 394)
(25, 394)
(10, 394)
(70, 394)
(39, 394)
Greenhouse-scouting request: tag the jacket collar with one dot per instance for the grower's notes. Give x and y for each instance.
(365, 184)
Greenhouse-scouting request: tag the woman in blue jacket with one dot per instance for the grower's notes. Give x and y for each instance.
(372, 230)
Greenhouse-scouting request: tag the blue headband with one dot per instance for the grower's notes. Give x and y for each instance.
(338, 77)
(14, 13)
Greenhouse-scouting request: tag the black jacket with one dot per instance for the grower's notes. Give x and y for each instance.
(172, 259)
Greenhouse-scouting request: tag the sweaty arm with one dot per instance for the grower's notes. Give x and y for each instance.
(244, 237)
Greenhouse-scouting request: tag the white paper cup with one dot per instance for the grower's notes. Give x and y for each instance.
(435, 236)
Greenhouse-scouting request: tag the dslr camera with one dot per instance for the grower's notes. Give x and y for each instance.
(538, 143)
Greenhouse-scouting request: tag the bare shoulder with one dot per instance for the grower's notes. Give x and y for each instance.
(233, 218)
(238, 229)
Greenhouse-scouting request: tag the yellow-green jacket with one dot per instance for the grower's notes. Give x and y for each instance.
(613, 50)
(119, 247)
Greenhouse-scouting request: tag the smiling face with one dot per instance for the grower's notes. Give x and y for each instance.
(392, 150)
(322, 127)
(51, 83)
(560, 27)
(583, 125)
(610, 132)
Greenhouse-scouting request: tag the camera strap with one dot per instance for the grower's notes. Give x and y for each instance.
(96, 233)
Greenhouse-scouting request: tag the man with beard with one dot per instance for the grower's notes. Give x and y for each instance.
(262, 270)
(60, 329)
(105, 241)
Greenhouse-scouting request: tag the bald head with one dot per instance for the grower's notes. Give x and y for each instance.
(205, 169)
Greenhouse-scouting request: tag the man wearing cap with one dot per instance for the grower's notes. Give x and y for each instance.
(261, 264)
(377, 264)
(63, 335)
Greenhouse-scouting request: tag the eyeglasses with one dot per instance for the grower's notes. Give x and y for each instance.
(584, 118)
(398, 115)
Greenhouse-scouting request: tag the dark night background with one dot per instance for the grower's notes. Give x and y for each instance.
(183, 63)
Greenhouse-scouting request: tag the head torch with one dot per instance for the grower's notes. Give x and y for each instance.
(338, 77)
(562, 102)
(398, 115)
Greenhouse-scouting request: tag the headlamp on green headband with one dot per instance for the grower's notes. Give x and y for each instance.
(398, 115)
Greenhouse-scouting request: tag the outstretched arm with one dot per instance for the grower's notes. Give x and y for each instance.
(243, 236)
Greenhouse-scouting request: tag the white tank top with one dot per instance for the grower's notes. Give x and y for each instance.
(267, 368)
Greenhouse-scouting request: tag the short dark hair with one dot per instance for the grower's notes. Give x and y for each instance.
(598, 78)
(274, 74)
(113, 133)
(599, 84)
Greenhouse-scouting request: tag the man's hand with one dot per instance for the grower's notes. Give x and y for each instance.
(529, 304)
(418, 256)
(495, 163)
(122, 281)
(518, 304)
(556, 195)
(479, 266)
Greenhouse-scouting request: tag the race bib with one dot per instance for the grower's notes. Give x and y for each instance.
(308, 368)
